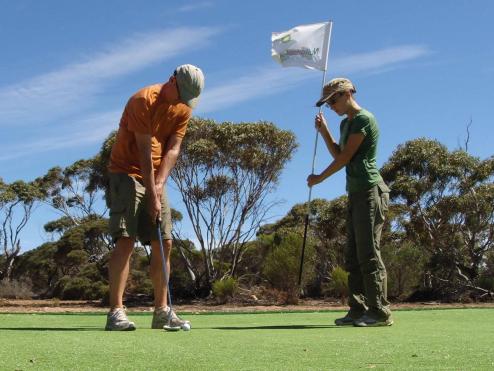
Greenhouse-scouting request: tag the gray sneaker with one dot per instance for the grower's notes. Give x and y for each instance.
(368, 321)
(164, 318)
(117, 320)
(347, 320)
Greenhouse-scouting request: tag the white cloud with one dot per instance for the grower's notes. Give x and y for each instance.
(195, 6)
(274, 79)
(255, 84)
(63, 91)
(90, 130)
(379, 59)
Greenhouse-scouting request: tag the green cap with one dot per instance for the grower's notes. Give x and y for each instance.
(190, 80)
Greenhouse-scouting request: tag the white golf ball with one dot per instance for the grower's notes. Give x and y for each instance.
(186, 327)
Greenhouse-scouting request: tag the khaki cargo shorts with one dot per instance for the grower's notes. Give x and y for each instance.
(127, 201)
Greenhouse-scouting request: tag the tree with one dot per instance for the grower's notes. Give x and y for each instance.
(40, 267)
(90, 236)
(98, 178)
(447, 204)
(59, 227)
(224, 174)
(81, 257)
(70, 191)
(17, 201)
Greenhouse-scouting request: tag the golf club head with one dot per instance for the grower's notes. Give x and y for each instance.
(171, 328)
(184, 327)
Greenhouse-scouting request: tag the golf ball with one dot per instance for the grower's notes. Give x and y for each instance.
(186, 327)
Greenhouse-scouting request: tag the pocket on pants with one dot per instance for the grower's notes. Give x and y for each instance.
(383, 192)
(120, 195)
(117, 196)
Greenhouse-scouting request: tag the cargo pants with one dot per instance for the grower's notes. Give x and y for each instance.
(367, 280)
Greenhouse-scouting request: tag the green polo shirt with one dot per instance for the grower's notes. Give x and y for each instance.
(361, 171)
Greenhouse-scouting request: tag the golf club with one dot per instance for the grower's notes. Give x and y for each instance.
(185, 327)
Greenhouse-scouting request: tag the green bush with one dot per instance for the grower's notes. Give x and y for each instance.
(486, 282)
(76, 258)
(140, 283)
(225, 289)
(338, 284)
(181, 282)
(80, 288)
(486, 277)
(281, 267)
(97, 291)
(39, 267)
(75, 288)
(404, 264)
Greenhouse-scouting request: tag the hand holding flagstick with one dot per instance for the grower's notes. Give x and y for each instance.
(304, 46)
(321, 124)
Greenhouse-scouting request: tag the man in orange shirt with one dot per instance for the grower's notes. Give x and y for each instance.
(146, 148)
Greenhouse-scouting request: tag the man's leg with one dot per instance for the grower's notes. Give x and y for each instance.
(118, 270)
(163, 317)
(156, 271)
(123, 201)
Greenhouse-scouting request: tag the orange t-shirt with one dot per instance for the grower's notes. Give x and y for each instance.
(146, 115)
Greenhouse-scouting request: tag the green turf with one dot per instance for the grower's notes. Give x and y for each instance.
(427, 339)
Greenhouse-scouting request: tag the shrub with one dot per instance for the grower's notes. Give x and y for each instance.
(15, 289)
(404, 278)
(271, 296)
(75, 288)
(486, 282)
(80, 288)
(140, 284)
(338, 284)
(281, 267)
(225, 289)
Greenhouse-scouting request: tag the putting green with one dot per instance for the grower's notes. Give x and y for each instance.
(422, 339)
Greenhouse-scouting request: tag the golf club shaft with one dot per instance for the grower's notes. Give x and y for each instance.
(164, 265)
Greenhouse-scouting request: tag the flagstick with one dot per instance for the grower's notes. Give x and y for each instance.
(313, 165)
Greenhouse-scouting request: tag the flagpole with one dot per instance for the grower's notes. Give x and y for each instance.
(328, 43)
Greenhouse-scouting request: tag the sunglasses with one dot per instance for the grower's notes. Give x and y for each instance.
(334, 98)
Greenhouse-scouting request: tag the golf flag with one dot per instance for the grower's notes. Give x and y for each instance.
(303, 46)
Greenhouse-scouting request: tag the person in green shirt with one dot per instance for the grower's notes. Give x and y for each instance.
(368, 198)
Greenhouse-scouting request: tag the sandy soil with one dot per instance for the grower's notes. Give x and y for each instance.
(65, 306)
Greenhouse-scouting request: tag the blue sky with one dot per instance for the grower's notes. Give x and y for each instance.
(424, 68)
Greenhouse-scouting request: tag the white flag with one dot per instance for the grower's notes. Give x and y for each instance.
(303, 46)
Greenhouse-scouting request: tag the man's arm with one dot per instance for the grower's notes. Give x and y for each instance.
(343, 158)
(168, 161)
(145, 159)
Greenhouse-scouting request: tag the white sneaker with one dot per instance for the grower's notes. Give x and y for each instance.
(116, 320)
(164, 318)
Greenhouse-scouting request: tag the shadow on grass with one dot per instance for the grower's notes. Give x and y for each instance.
(282, 327)
(52, 329)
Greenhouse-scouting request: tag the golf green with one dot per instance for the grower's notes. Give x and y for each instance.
(419, 339)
